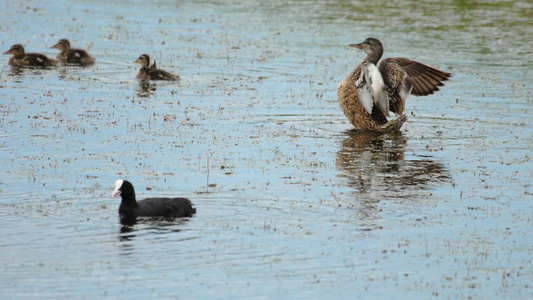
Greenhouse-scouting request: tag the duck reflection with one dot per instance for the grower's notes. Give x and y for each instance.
(146, 88)
(66, 72)
(18, 72)
(375, 165)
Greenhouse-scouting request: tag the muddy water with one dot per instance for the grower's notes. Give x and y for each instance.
(291, 203)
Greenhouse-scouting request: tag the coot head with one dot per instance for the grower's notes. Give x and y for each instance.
(124, 189)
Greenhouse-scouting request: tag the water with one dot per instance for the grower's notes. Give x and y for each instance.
(291, 203)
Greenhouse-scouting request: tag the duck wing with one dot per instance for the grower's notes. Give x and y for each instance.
(36, 59)
(365, 94)
(403, 76)
(371, 89)
(75, 55)
(158, 74)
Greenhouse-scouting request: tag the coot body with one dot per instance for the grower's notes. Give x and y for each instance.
(150, 207)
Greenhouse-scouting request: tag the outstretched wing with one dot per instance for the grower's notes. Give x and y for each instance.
(403, 76)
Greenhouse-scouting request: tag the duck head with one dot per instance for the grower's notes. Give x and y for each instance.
(143, 60)
(63, 44)
(16, 50)
(372, 47)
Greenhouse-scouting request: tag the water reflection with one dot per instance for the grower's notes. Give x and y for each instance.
(133, 227)
(128, 223)
(65, 71)
(375, 165)
(146, 88)
(18, 72)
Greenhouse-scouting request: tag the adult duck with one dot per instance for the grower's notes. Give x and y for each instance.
(152, 72)
(22, 59)
(368, 94)
(71, 55)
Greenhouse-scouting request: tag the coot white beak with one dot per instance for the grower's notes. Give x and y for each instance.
(117, 191)
(115, 194)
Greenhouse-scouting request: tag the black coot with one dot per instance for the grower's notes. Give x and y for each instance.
(150, 207)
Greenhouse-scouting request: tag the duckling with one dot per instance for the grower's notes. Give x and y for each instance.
(20, 58)
(152, 72)
(72, 55)
(368, 94)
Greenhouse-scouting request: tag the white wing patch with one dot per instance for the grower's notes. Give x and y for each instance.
(371, 89)
(40, 60)
(406, 89)
(365, 93)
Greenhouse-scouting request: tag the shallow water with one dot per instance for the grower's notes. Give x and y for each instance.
(291, 203)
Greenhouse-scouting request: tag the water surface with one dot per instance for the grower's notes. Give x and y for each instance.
(291, 203)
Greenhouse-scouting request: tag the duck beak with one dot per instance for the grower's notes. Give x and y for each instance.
(136, 61)
(115, 194)
(54, 47)
(358, 46)
(7, 52)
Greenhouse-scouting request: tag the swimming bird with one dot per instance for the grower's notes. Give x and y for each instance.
(368, 94)
(72, 55)
(152, 72)
(150, 207)
(21, 59)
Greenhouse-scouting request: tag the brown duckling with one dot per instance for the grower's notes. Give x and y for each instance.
(20, 58)
(72, 55)
(368, 94)
(152, 72)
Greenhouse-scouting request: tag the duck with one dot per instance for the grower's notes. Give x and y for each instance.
(152, 72)
(369, 92)
(149, 207)
(72, 55)
(22, 59)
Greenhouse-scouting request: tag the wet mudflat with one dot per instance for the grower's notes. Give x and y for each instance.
(291, 203)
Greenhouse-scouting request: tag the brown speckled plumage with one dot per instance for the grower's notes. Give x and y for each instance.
(152, 72)
(355, 112)
(401, 77)
(22, 59)
(72, 56)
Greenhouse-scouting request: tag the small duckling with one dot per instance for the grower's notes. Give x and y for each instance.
(152, 72)
(72, 55)
(21, 59)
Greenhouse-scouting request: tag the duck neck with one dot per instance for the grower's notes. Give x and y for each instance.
(374, 54)
(373, 57)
